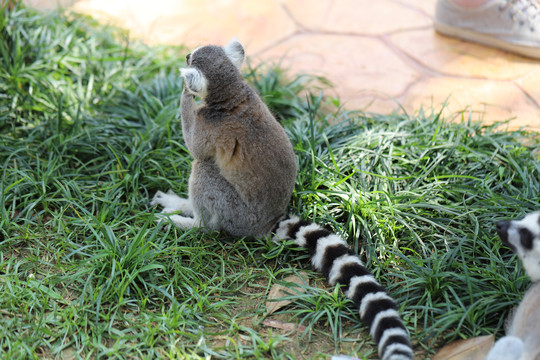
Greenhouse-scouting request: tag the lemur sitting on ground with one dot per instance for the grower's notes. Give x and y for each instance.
(522, 340)
(242, 179)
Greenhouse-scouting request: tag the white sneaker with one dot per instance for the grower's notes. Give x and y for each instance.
(512, 25)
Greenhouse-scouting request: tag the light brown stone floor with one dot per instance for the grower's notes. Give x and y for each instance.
(378, 54)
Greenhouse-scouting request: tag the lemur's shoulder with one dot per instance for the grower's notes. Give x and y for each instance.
(244, 104)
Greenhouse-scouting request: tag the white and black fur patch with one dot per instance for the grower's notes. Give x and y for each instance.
(523, 328)
(523, 236)
(332, 256)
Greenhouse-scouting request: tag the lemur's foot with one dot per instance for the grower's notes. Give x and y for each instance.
(172, 203)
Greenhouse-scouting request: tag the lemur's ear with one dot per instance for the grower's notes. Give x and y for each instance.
(235, 52)
(194, 81)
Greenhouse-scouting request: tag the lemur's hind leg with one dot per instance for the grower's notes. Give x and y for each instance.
(172, 203)
(184, 222)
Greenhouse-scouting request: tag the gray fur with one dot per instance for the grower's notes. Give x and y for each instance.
(244, 167)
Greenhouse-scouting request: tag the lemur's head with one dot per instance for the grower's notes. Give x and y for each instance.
(212, 68)
(523, 237)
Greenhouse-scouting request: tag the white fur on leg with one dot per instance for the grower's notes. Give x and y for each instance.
(172, 202)
(184, 222)
(506, 348)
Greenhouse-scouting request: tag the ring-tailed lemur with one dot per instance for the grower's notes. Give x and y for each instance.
(522, 340)
(242, 178)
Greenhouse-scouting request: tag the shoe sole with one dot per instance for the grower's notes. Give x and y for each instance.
(485, 39)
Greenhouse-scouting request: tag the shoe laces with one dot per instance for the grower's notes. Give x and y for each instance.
(523, 12)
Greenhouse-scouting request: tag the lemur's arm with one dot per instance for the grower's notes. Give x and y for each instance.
(188, 109)
(203, 140)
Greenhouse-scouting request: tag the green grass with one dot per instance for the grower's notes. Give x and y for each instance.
(89, 130)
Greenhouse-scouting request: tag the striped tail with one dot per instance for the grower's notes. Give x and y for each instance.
(337, 262)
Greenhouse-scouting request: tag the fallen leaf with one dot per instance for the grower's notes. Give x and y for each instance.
(469, 349)
(279, 291)
(276, 324)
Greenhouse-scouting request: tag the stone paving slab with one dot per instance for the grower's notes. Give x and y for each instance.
(352, 72)
(358, 17)
(380, 55)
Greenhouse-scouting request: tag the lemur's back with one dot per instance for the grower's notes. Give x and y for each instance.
(261, 164)
(526, 321)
